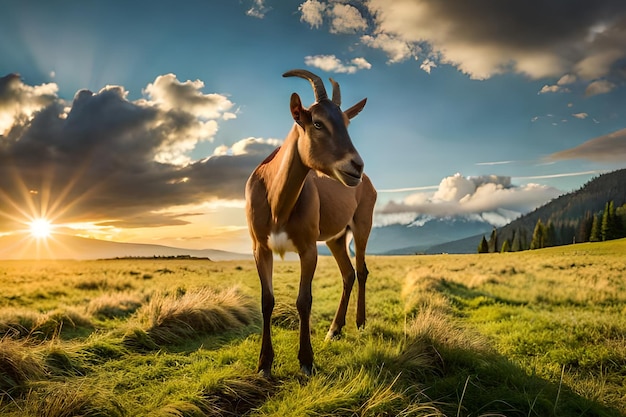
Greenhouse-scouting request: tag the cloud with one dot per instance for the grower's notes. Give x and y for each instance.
(331, 63)
(560, 86)
(249, 146)
(607, 148)
(483, 38)
(599, 87)
(487, 196)
(105, 158)
(427, 65)
(346, 19)
(343, 18)
(258, 9)
(396, 49)
(486, 38)
(19, 102)
(312, 12)
(581, 116)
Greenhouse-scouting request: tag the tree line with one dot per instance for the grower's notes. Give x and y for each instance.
(607, 224)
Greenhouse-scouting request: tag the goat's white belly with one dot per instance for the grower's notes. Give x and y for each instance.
(280, 243)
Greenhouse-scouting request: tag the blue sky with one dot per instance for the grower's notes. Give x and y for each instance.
(527, 99)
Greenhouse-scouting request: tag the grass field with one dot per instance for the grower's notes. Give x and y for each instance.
(537, 333)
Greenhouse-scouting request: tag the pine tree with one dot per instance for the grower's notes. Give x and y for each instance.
(516, 245)
(505, 246)
(596, 233)
(483, 247)
(608, 222)
(539, 234)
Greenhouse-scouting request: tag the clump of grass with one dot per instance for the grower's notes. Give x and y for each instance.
(104, 283)
(237, 396)
(65, 320)
(285, 315)
(68, 399)
(180, 409)
(61, 362)
(16, 322)
(138, 340)
(18, 365)
(349, 393)
(114, 305)
(173, 319)
(420, 290)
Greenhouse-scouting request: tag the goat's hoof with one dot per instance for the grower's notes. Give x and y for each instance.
(265, 373)
(333, 335)
(307, 370)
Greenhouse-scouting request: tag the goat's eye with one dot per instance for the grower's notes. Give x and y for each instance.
(317, 125)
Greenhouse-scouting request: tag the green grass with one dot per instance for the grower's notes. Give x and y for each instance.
(538, 333)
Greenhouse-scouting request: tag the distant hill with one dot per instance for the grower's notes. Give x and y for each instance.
(72, 247)
(570, 214)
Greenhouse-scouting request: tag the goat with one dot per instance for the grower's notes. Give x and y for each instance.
(312, 188)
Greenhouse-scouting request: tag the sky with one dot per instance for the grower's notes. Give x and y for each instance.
(141, 121)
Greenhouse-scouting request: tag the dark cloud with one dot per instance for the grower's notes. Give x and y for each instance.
(483, 38)
(105, 158)
(607, 148)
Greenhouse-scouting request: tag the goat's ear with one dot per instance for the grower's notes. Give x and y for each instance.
(356, 109)
(296, 108)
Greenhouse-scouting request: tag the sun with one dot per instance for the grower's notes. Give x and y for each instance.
(40, 228)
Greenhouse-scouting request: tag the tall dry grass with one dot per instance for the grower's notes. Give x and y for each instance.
(19, 364)
(175, 318)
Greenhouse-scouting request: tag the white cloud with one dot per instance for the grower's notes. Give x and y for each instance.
(342, 18)
(186, 100)
(312, 12)
(258, 9)
(396, 49)
(170, 94)
(427, 65)
(462, 196)
(331, 63)
(346, 19)
(580, 116)
(559, 87)
(249, 146)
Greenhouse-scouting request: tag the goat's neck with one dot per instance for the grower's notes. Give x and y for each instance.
(285, 185)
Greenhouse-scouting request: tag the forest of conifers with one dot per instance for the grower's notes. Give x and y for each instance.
(595, 212)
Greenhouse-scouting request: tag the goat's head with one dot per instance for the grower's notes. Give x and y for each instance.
(326, 145)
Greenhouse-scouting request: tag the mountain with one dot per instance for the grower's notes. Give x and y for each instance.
(61, 246)
(423, 233)
(571, 216)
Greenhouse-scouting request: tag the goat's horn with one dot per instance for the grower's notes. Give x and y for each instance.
(316, 82)
(336, 92)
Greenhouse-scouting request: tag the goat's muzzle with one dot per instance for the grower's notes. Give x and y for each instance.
(350, 171)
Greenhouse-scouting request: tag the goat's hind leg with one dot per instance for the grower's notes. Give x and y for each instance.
(361, 231)
(339, 250)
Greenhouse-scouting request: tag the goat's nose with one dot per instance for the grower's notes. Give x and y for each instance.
(357, 164)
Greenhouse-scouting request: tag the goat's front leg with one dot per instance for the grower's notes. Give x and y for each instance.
(339, 251)
(308, 262)
(264, 265)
